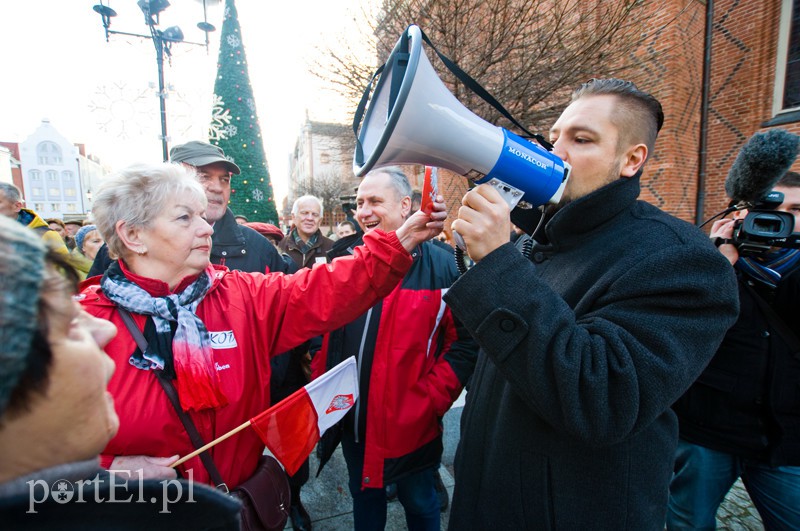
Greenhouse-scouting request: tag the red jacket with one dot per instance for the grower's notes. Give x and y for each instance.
(250, 317)
(419, 361)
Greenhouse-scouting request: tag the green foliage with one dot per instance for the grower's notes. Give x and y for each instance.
(235, 126)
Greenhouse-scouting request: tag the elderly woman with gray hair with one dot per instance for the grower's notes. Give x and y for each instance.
(56, 415)
(209, 330)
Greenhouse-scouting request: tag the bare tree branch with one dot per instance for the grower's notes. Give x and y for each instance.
(527, 53)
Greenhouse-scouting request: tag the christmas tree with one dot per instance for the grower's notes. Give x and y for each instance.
(234, 126)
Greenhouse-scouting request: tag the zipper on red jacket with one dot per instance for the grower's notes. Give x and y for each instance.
(359, 364)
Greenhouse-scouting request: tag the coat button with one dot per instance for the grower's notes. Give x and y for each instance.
(507, 325)
(538, 257)
(366, 481)
(224, 253)
(765, 333)
(244, 251)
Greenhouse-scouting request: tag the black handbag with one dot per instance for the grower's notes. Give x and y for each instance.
(265, 495)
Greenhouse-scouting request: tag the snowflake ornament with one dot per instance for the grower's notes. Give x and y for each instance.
(233, 41)
(220, 120)
(258, 195)
(123, 111)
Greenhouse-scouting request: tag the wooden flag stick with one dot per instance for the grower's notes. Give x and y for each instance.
(219, 439)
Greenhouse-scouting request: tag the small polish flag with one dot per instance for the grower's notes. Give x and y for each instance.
(292, 427)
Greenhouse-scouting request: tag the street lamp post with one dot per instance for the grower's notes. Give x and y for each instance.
(162, 40)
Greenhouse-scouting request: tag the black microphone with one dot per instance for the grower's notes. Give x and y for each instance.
(762, 161)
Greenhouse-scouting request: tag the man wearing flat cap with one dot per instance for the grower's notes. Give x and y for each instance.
(233, 245)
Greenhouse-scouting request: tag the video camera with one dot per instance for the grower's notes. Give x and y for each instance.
(759, 166)
(764, 227)
(348, 203)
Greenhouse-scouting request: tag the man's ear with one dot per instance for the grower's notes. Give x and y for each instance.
(405, 207)
(634, 160)
(131, 236)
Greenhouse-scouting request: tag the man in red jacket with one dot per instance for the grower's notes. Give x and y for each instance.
(414, 360)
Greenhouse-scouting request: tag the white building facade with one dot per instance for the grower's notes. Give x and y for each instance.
(6, 162)
(57, 179)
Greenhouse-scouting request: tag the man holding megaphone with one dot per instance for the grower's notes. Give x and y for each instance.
(586, 345)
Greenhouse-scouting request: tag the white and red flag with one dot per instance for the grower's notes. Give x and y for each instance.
(292, 427)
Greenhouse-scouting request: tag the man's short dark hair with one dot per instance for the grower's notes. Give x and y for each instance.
(790, 180)
(641, 115)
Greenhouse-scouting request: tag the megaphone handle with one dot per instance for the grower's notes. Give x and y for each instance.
(460, 241)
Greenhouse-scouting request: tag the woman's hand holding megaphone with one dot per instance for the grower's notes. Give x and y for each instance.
(420, 227)
(483, 221)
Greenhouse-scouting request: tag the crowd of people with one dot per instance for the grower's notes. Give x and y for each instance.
(621, 373)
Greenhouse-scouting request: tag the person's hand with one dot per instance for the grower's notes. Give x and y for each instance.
(420, 227)
(483, 221)
(723, 228)
(151, 467)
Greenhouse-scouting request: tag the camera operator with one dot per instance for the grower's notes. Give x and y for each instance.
(742, 416)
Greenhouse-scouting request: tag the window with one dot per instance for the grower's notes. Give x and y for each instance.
(52, 176)
(69, 192)
(38, 207)
(70, 207)
(37, 192)
(66, 176)
(787, 70)
(35, 175)
(53, 192)
(49, 153)
(54, 207)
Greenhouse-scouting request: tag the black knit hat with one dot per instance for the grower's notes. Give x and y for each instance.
(22, 273)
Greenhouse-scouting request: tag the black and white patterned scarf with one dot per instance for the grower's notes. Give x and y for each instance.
(192, 357)
(304, 247)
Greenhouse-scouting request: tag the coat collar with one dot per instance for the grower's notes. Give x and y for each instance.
(90, 289)
(584, 215)
(226, 232)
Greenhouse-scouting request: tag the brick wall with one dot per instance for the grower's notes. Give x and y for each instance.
(672, 72)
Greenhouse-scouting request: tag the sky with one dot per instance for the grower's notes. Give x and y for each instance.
(58, 66)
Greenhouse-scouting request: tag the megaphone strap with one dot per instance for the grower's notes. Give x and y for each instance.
(462, 76)
(360, 114)
(476, 87)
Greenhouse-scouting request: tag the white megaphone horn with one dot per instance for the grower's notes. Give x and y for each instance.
(412, 118)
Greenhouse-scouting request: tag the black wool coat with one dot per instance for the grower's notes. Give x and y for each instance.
(567, 423)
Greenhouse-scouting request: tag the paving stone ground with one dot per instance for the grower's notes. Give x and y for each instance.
(737, 512)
